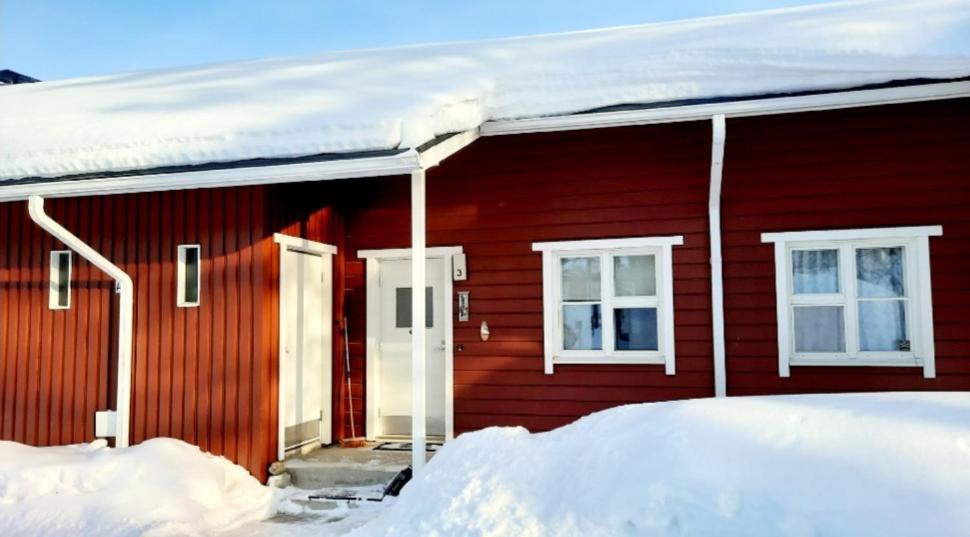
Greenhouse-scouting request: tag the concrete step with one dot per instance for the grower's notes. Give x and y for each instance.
(325, 477)
(335, 467)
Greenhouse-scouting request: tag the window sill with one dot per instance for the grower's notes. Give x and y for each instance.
(850, 362)
(611, 360)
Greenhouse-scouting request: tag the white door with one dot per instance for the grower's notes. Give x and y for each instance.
(306, 280)
(395, 347)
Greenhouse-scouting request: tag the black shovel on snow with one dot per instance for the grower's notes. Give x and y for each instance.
(392, 488)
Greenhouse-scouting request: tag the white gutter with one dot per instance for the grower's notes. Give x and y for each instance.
(400, 164)
(125, 289)
(719, 133)
(754, 107)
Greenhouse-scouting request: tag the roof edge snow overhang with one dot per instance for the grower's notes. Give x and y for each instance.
(434, 152)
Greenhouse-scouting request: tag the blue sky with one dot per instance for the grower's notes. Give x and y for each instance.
(52, 39)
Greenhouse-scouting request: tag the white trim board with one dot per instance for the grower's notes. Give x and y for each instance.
(598, 244)
(373, 272)
(296, 244)
(854, 234)
(304, 245)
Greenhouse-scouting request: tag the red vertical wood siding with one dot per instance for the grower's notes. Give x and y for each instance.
(206, 374)
(883, 166)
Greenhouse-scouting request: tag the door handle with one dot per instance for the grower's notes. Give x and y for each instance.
(441, 348)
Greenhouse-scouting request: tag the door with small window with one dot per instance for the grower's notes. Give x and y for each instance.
(395, 347)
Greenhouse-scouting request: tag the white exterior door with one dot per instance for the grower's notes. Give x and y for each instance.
(306, 302)
(395, 347)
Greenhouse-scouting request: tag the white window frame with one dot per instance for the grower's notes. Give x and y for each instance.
(55, 282)
(180, 277)
(605, 249)
(919, 299)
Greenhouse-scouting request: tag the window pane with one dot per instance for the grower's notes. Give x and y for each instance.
(402, 307)
(882, 325)
(63, 278)
(191, 284)
(580, 278)
(634, 275)
(819, 329)
(582, 327)
(815, 271)
(879, 272)
(636, 329)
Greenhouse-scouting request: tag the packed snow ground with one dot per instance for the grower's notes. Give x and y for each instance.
(892, 464)
(402, 97)
(797, 466)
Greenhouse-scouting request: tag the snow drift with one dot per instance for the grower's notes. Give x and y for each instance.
(159, 488)
(402, 97)
(845, 465)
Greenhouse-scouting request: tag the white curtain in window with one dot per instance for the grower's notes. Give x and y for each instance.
(815, 272)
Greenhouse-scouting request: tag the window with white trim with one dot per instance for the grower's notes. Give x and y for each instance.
(189, 275)
(60, 281)
(608, 301)
(854, 297)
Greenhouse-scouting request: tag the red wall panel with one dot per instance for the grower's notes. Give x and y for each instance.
(881, 166)
(206, 374)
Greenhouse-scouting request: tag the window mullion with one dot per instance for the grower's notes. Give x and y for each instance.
(606, 295)
(851, 300)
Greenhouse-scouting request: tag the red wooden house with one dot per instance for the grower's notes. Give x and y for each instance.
(726, 244)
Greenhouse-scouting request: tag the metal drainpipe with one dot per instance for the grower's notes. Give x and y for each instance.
(123, 286)
(719, 133)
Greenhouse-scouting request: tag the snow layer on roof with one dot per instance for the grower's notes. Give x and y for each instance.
(402, 97)
(850, 465)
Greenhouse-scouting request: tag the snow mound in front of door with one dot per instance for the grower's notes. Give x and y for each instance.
(159, 488)
(836, 465)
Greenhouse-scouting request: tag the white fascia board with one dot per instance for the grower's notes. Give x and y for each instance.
(607, 244)
(854, 234)
(752, 107)
(400, 164)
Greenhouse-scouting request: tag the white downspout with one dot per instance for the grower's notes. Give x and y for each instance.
(717, 279)
(418, 331)
(123, 286)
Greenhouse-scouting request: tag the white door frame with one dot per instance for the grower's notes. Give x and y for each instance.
(293, 244)
(374, 258)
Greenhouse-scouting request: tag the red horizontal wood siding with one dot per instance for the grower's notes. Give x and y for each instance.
(206, 375)
(498, 196)
(883, 166)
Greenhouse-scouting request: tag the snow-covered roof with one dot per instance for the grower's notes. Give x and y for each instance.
(366, 100)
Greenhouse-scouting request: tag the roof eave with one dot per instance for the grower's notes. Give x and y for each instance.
(741, 108)
(406, 161)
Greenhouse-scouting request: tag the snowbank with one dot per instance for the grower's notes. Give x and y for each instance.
(405, 96)
(159, 488)
(833, 465)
